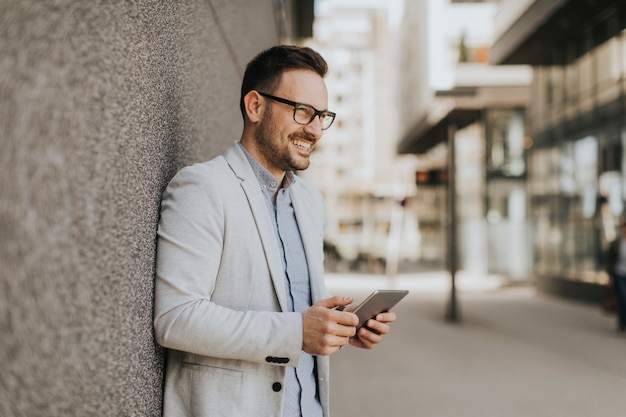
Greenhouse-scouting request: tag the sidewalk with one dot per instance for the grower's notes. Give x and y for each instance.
(514, 353)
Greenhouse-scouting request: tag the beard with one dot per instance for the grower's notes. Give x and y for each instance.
(276, 152)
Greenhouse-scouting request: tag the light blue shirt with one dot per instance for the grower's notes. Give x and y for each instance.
(301, 396)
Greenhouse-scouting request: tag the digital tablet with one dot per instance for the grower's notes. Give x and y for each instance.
(377, 302)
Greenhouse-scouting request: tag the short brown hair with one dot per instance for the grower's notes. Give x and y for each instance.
(266, 69)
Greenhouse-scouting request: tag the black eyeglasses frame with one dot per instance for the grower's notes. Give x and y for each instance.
(323, 114)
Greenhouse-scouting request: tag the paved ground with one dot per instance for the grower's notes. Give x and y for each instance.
(515, 353)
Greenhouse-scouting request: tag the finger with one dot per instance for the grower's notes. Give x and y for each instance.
(333, 344)
(388, 317)
(378, 326)
(343, 341)
(340, 329)
(346, 319)
(335, 301)
(368, 337)
(362, 343)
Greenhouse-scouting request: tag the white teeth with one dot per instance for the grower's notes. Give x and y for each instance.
(302, 144)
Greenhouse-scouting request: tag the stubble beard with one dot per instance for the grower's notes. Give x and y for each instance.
(272, 149)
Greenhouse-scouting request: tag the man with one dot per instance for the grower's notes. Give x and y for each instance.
(240, 301)
(616, 267)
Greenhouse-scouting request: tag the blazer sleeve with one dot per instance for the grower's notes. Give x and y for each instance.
(189, 252)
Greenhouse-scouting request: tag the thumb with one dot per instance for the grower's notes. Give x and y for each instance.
(335, 301)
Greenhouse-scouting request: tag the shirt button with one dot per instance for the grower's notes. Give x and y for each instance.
(277, 386)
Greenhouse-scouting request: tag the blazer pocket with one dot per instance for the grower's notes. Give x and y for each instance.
(213, 390)
(215, 370)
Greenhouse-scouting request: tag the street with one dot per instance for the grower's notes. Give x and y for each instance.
(514, 353)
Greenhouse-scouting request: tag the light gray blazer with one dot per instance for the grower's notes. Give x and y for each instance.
(220, 300)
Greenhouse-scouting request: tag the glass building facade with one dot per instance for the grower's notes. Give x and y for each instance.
(576, 177)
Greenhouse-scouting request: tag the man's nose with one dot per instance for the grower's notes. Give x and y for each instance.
(315, 127)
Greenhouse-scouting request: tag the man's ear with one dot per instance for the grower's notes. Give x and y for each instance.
(254, 105)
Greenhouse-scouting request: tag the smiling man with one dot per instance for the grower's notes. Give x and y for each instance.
(240, 301)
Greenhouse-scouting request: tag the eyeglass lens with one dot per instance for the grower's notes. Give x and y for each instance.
(304, 115)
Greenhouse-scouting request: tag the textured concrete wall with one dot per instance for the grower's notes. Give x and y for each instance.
(101, 102)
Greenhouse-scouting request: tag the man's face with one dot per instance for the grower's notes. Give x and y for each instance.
(283, 144)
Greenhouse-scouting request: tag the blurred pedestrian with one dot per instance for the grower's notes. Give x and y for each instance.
(616, 267)
(240, 301)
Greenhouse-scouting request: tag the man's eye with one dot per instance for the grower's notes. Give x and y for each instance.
(304, 109)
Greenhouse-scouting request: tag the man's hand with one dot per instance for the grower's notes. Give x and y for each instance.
(325, 329)
(372, 333)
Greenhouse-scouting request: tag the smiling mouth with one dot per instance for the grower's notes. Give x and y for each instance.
(302, 144)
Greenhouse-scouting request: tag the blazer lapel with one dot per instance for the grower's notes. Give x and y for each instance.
(238, 162)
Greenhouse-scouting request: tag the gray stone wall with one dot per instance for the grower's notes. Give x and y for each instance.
(101, 102)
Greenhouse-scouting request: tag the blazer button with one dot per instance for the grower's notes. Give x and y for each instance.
(277, 386)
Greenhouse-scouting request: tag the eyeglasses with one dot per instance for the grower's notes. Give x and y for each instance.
(303, 113)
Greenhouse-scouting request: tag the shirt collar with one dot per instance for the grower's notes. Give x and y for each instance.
(266, 179)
